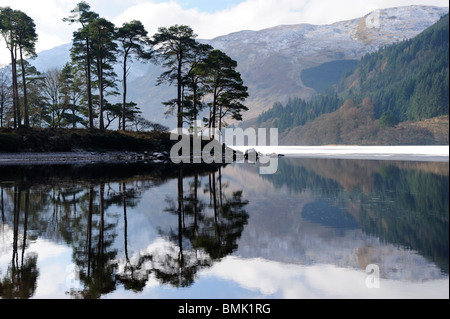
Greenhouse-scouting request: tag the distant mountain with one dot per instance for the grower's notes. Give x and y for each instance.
(397, 95)
(52, 58)
(271, 61)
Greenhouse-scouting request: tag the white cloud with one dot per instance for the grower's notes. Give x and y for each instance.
(317, 281)
(47, 15)
(254, 14)
(251, 14)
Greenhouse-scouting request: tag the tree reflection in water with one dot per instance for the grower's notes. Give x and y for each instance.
(22, 273)
(71, 205)
(206, 232)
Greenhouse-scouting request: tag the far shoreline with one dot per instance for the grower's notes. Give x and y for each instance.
(430, 153)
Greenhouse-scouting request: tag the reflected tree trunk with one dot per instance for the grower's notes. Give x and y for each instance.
(125, 222)
(180, 214)
(17, 199)
(220, 186)
(25, 224)
(214, 194)
(2, 205)
(101, 224)
(74, 205)
(195, 204)
(210, 189)
(21, 276)
(89, 227)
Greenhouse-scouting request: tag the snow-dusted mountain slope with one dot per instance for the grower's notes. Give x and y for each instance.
(271, 60)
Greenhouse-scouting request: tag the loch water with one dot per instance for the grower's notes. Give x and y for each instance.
(317, 228)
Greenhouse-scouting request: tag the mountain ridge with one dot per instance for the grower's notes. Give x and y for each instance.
(397, 95)
(314, 45)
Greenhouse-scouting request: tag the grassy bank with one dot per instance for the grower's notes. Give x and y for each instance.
(357, 126)
(68, 140)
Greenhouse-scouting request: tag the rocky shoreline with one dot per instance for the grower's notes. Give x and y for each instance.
(85, 157)
(37, 158)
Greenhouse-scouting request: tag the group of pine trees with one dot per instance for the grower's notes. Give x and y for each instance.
(76, 94)
(19, 32)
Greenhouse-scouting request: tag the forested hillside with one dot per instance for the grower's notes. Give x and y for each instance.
(298, 112)
(409, 79)
(395, 90)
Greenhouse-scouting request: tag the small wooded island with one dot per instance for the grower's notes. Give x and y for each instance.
(72, 146)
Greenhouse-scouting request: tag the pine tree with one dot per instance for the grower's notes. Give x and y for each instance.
(104, 49)
(192, 103)
(73, 89)
(5, 95)
(225, 85)
(19, 33)
(35, 99)
(26, 39)
(173, 48)
(81, 53)
(133, 39)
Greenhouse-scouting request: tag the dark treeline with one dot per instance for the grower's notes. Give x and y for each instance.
(406, 81)
(297, 111)
(77, 94)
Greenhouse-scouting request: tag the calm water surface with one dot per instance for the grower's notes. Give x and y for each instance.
(318, 228)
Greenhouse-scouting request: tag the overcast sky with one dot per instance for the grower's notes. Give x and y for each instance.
(208, 18)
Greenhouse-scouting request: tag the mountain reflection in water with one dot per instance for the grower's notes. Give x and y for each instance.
(153, 231)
